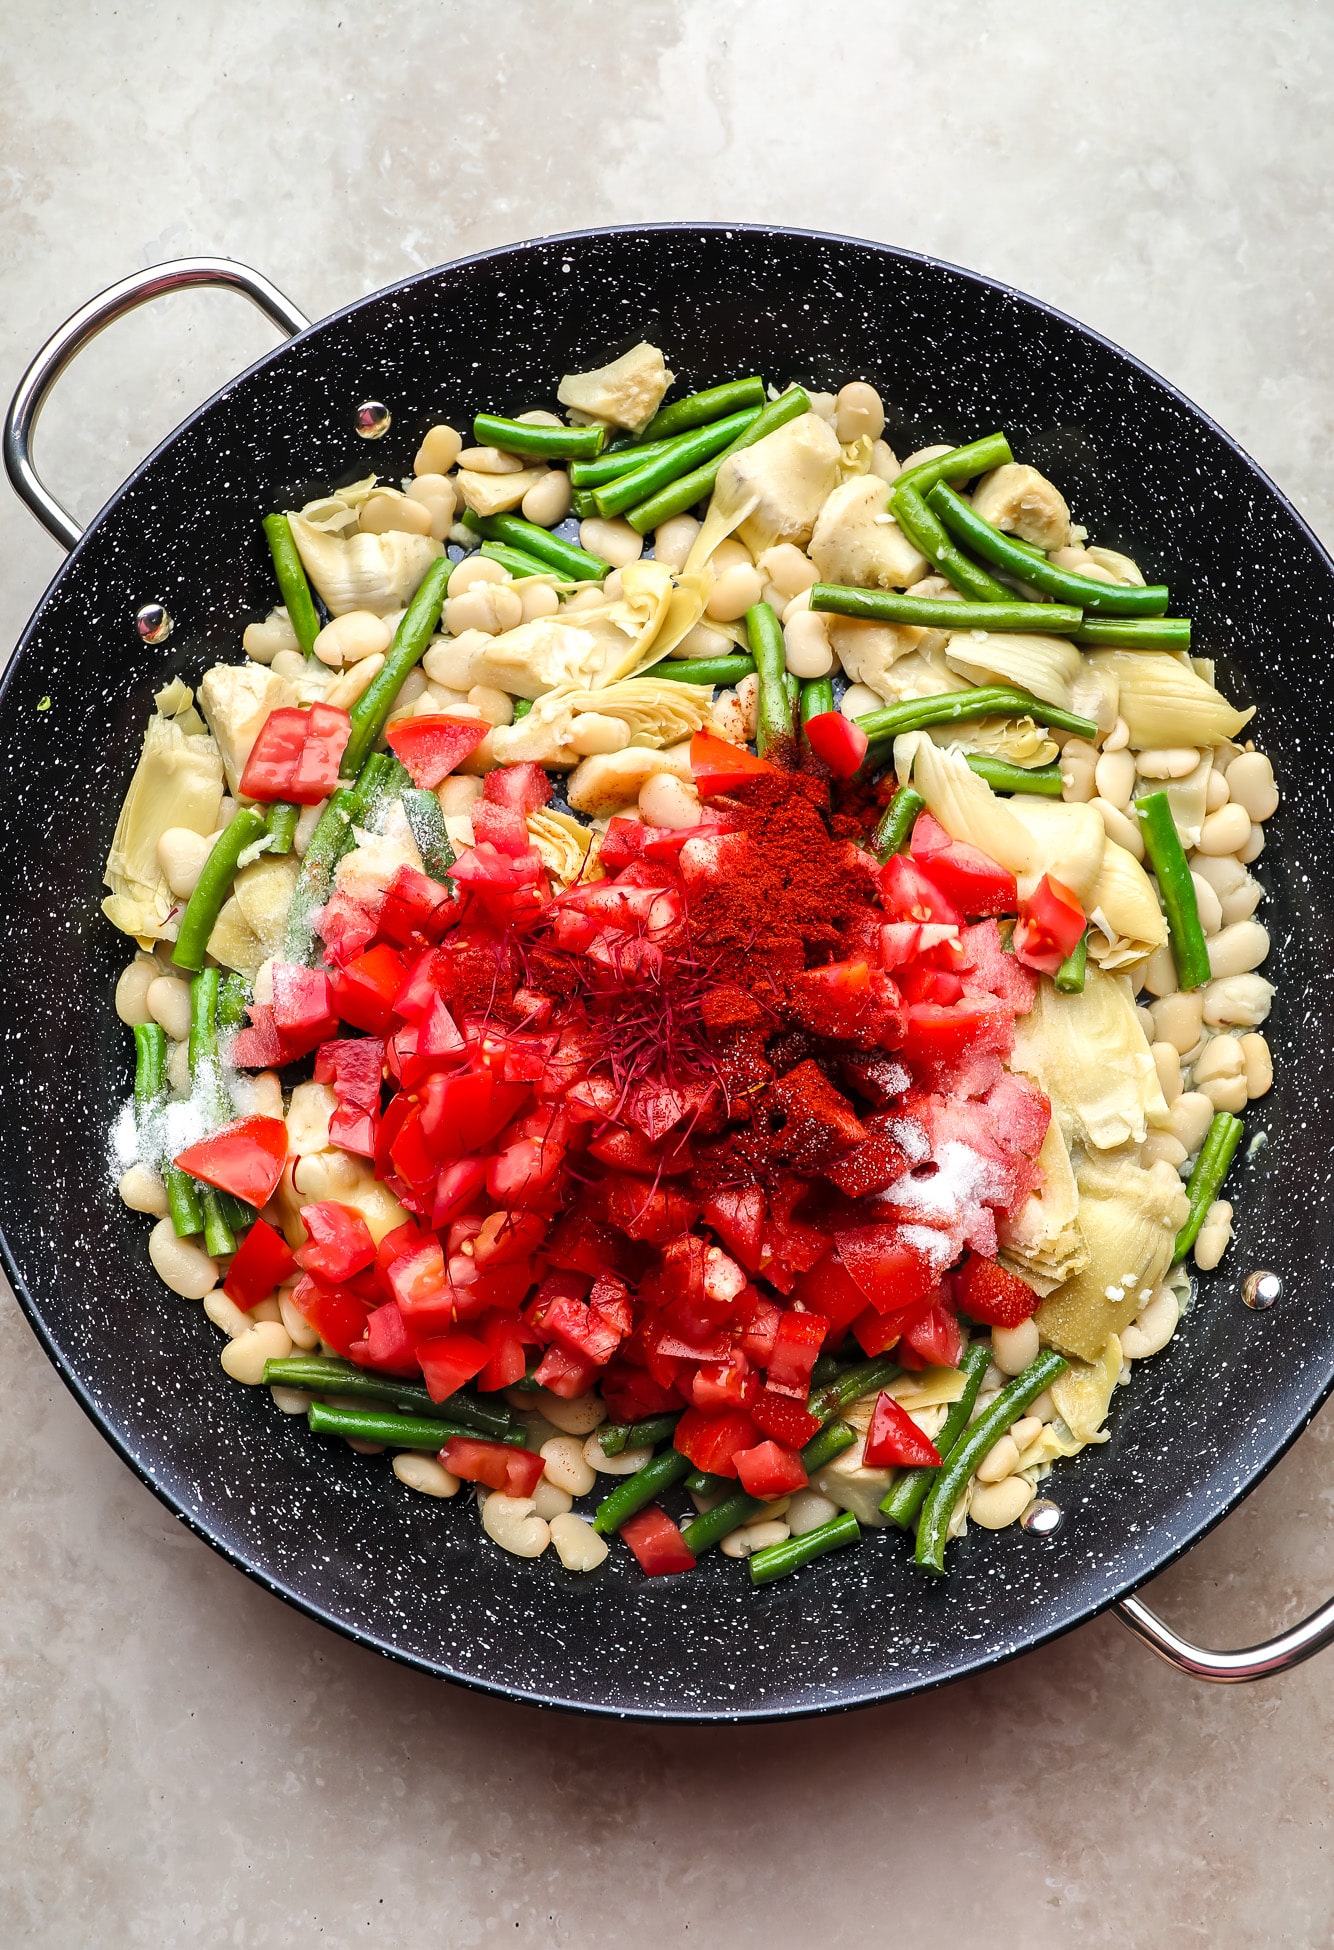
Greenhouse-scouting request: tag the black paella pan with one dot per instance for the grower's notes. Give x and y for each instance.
(953, 356)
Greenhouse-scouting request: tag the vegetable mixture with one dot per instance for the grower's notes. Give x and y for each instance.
(765, 1021)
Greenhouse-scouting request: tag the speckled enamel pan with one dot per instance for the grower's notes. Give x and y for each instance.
(953, 356)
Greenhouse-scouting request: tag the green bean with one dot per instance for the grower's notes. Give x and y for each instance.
(776, 1560)
(328, 843)
(696, 409)
(582, 505)
(711, 1526)
(150, 1073)
(927, 532)
(896, 822)
(941, 613)
(825, 1369)
(680, 495)
(702, 670)
(973, 1445)
(690, 451)
(866, 1378)
(911, 1487)
(232, 999)
(183, 1203)
(396, 1431)
(574, 563)
(205, 1065)
(280, 825)
(418, 626)
(633, 1492)
(954, 707)
(817, 697)
(1042, 780)
(219, 1239)
(428, 830)
(1134, 632)
(702, 1482)
(1106, 598)
(623, 458)
(379, 787)
(517, 560)
(292, 583)
(323, 1374)
(533, 437)
(959, 464)
(1206, 1181)
(213, 886)
(1073, 971)
(775, 728)
(614, 1438)
(522, 706)
(1176, 889)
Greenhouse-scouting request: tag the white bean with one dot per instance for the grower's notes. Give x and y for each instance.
(1167, 762)
(731, 554)
(243, 1359)
(496, 706)
(1152, 1327)
(858, 411)
(1079, 763)
(1178, 1019)
(436, 495)
(290, 1401)
(489, 606)
(807, 1510)
(1118, 737)
(1254, 846)
(1241, 1001)
(178, 1069)
(143, 1191)
(752, 1537)
(538, 599)
(1216, 793)
(308, 1114)
(1120, 827)
(735, 591)
(492, 460)
(180, 1264)
(424, 1473)
(1222, 1056)
(1160, 972)
(1259, 1066)
(807, 651)
(578, 1545)
(1014, 1348)
(169, 1003)
(513, 1523)
(1226, 1093)
(303, 1335)
(1208, 905)
(999, 1461)
(701, 641)
(1215, 1235)
(1226, 831)
(473, 569)
(594, 731)
(789, 568)
(1250, 780)
(563, 1457)
(347, 639)
(1114, 777)
(668, 801)
(549, 1502)
(136, 978)
(438, 451)
(625, 1464)
(548, 500)
(1167, 1062)
(995, 1506)
(1160, 1147)
(181, 854)
(326, 1174)
(387, 513)
(223, 1311)
(748, 702)
(615, 541)
(883, 463)
(1238, 949)
(1192, 1114)
(673, 541)
(1027, 1429)
(457, 795)
(858, 700)
(578, 1417)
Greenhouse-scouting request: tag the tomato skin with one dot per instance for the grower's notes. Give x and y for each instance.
(1050, 924)
(967, 876)
(448, 1360)
(387, 1347)
(364, 992)
(714, 1441)
(336, 1314)
(932, 1331)
(788, 1422)
(719, 766)
(512, 1471)
(656, 1541)
(796, 1345)
(245, 1158)
(837, 740)
(525, 787)
(894, 1439)
(296, 755)
(909, 893)
(339, 1243)
(431, 746)
(889, 1269)
(993, 1295)
(263, 1261)
(770, 1470)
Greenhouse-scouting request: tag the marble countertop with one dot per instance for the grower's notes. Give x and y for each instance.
(182, 1759)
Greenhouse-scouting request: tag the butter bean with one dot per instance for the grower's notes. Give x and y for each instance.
(168, 1001)
(807, 1510)
(136, 978)
(1192, 1114)
(1208, 905)
(1160, 1147)
(1221, 1057)
(488, 606)
(1178, 1020)
(625, 1464)
(995, 1506)
(223, 1311)
(672, 542)
(806, 647)
(1167, 1062)
(1167, 762)
(593, 732)
(1153, 1327)
(1014, 1348)
(425, 1474)
(1115, 778)
(668, 801)
(473, 569)
(347, 639)
(752, 1537)
(1079, 763)
(244, 1358)
(1216, 792)
(1258, 1065)
(143, 1191)
(1238, 949)
(303, 1335)
(549, 1501)
(439, 451)
(492, 460)
(1215, 1235)
(1250, 781)
(179, 1263)
(615, 541)
(538, 599)
(1226, 1093)
(386, 513)
(1226, 831)
(290, 1401)
(548, 500)
(883, 463)
(1237, 1001)
(1254, 846)
(436, 495)
(513, 1523)
(181, 855)
(578, 1545)
(578, 1417)
(789, 568)
(1118, 737)
(734, 592)
(858, 412)
(565, 1465)
(1160, 972)
(1121, 827)
(999, 1461)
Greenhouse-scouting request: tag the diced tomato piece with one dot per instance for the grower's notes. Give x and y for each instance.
(876, 1333)
(462, 1113)
(724, 1384)
(811, 1119)
(787, 1421)
(564, 1373)
(579, 1245)
(364, 991)
(296, 755)
(512, 1471)
(259, 1046)
(737, 1216)
(718, 766)
(909, 893)
(507, 1345)
(713, 1441)
(414, 907)
(991, 1293)
(456, 1188)
(829, 1289)
(339, 1245)
(336, 1314)
(892, 1270)
(524, 1174)
(448, 1360)
(987, 969)
(932, 1330)
(796, 1345)
(850, 1000)
(868, 1167)
(501, 827)
(770, 1470)
(431, 746)
(420, 1284)
(354, 1066)
(894, 1440)
(245, 1158)
(970, 878)
(655, 1540)
(653, 1214)
(263, 1261)
(632, 1151)
(1049, 927)
(302, 1000)
(938, 1038)
(525, 788)
(761, 1329)
(345, 927)
(486, 870)
(506, 1236)
(387, 1346)
(837, 740)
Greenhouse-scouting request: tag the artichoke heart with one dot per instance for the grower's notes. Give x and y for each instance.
(856, 541)
(771, 492)
(1127, 922)
(656, 711)
(177, 782)
(338, 513)
(1042, 1242)
(868, 652)
(358, 571)
(1165, 703)
(564, 843)
(628, 392)
(237, 698)
(234, 942)
(1083, 1394)
(1129, 1219)
(1048, 667)
(1089, 1053)
(263, 891)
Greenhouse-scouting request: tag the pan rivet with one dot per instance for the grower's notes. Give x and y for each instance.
(1261, 1289)
(1043, 1518)
(373, 419)
(153, 623)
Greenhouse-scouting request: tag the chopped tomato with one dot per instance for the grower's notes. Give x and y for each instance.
(787, 1421)
(796, 1345)
(838, 741)
(387, 1346)
(263, 1261)
(339, 1243)
(713, 1441)
(245, 1158)
(990, 1293)
(302, 1001)
(448, 1360)
(432, 746)
(719, 766)
(657, 1542)
(364, 991)
(335, 1312)
(1049, 927)
(512, 1471)
(967, 876)
(892, 1269)
(770, 1470)
(910, 893)
(737, 1216)
(296, 755)
(894, 1439)
(932, 1331)
(524, 787)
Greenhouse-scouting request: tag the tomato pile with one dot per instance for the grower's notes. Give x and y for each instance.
(647, 1151)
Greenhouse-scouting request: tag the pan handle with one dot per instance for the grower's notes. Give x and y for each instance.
(179, 274)
(1262, 1661)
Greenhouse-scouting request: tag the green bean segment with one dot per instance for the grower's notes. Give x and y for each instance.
(328, 843)
(943, 613)
(777, 1560)
(911, 1487)
(1176, 889)
(614, 1438)
(681, 456)
(958, 707)
(609, 466)
(928, 533)
(896, 823)
(697, 409)
(680, 495)
(701, 670)
(711, 1526)
(322, 1374)
(428, 830)
(1206, 1181)
(1073, 971)
(1042, 781)
(775, 728)
(866, 1378)
(213, 886)
(1106, 598)
(517, 560)
(959, 464)
(395, 1431)
(973, 1445)
(419, 624)
(292, 583)
(532, 437)
(633, 1492)
(280, 824)
(1134, 632)
(817, 697)
(574, 563)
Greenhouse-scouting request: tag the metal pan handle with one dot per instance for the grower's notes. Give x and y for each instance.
(179, 274)
(1279, 1654)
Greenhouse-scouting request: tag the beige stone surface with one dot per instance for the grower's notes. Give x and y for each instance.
(182, 1760)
